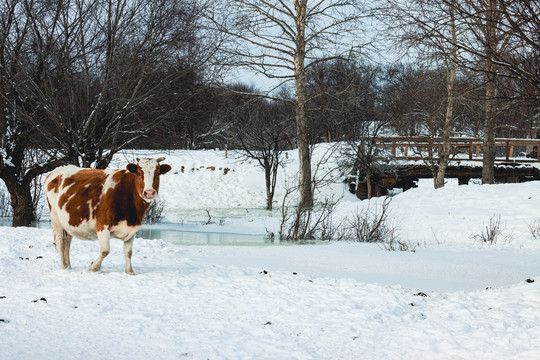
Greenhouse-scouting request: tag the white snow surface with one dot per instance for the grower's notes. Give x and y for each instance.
(455, 297)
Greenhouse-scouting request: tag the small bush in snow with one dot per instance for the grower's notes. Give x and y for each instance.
(492, 232)
(372, 225)
(308, 224)
(153, 215)
(395, 244)
(535, 228)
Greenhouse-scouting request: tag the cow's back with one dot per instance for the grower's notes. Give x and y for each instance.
(76, 197)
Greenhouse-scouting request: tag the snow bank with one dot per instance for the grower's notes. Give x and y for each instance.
(273, 302)
(454, 298)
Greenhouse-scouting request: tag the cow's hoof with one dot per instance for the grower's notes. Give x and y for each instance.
(130, 272)
(94, 268)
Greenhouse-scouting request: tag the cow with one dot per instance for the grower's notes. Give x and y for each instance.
(95, 204)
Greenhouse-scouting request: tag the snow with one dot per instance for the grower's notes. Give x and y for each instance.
(8, 162)
(455, 297)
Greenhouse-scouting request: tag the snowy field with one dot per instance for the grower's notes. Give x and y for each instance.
(454, 297)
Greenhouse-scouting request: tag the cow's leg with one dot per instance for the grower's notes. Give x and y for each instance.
(104, 249)
(60, 241)
(128, 251)
(67, 245)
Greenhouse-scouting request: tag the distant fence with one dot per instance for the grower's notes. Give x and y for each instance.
(418, 148)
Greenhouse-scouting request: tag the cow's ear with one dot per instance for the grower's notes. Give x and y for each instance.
(132, 168)
(163, 169)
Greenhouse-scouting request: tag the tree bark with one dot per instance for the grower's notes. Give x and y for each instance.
(304, 158)
(444, 157)
(21, 202)
(268, 180)
(368, 184)
(488, 166)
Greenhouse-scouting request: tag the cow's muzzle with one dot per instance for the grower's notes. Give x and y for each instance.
(149, 194)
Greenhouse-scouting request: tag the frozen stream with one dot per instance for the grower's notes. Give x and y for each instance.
(180, 234)
(174, 234)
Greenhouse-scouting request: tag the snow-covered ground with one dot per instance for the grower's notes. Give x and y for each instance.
(455, 297)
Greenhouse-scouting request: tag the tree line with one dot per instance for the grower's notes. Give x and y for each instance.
(81, 80)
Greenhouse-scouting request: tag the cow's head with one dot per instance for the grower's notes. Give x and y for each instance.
(147, 181)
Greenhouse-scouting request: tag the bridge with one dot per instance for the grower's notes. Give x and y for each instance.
(399, 162)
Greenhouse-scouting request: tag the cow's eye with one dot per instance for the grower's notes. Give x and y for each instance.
(139, 173)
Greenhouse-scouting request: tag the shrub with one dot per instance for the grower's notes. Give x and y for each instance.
(395, 244)
(534, 228)
(372, 225)
(308, 224)
(492, 232)
(153, 215)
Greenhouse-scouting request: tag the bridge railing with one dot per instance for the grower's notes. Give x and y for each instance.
(468, 149)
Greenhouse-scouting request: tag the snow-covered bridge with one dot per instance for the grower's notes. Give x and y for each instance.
(399, 162)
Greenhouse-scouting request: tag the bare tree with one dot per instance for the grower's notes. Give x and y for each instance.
(519, 21)
(498, 39)
(80, 80)
(344, 107)
(451, 66)
(262, 129)
(284, 41)
(430, 31)
(403, 90)
(367, 161)
(344, 97)
(112, 59)
(491, 48)
(484, 41)
(17, 168)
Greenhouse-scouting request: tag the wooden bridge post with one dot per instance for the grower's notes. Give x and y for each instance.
(463, 180)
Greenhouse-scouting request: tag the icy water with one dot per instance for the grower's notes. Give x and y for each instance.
(182, 237)
(173, 233)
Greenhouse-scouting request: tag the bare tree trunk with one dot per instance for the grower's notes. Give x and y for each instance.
(21, 202)
(368, 184)
(444, 157)
(306, 193)
(488, 171)
(269, 190)
(275, 37)
(488, 165)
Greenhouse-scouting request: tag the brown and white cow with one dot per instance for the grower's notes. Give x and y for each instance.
(95, 204)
